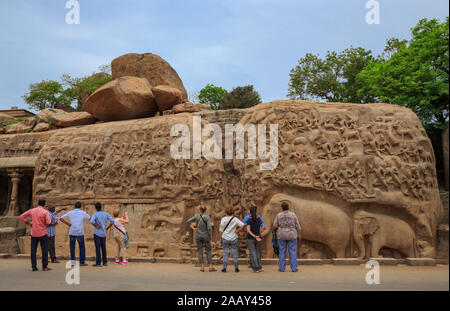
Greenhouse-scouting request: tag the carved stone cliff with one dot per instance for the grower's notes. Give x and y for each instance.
(362, 173)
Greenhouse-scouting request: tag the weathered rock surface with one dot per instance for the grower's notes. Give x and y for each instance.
(24, 126)
(188, 107)
(364, 160)
(11, 228)
(445, 154)
(5, 118)
(44, 115)
(166, 97)
(41, 127)
(150, 66)
(347, 170)
(67, 119)
(122, 99)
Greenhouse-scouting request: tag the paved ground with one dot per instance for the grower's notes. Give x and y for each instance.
(16, 274)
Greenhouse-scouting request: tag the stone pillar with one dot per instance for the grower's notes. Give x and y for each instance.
(15, 180)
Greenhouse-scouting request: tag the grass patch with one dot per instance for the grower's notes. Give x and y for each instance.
(10, 122)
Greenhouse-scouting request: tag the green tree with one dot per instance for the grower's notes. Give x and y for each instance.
(332, 78)
(81, 88)
(71, 90)
(47, 94)
(241, 97)
(212, 95)
(415, 75)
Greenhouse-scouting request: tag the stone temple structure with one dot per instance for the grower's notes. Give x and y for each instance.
(361, 178)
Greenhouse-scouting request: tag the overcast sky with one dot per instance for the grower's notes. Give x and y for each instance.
(225, 42)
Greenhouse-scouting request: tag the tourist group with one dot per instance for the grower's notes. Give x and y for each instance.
(286, 233)
(43, 232)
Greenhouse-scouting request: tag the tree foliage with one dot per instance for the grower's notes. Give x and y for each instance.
(212, 95)
(71, 91)
(47, 94)
(415, 75)
(332, 78)
(241, 97)
(81, 88)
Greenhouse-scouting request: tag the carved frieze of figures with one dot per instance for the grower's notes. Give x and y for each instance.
(374, 156)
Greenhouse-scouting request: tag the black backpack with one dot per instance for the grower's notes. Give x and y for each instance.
(276, 249)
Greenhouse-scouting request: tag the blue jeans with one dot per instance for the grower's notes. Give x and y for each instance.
(226, 251)
(291, 245)
(100, 244)
(80, 240)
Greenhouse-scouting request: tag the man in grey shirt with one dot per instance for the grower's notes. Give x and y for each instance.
(201, 224)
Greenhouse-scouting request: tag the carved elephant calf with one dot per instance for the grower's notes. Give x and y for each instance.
(380, 231)
(320, 222)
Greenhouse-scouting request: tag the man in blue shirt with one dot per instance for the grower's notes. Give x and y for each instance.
(246, 218)
(76, 231)
(99, 220)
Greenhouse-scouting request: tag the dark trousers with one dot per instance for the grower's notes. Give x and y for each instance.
(43, 240)
(51, 248)
(100, 244)
(80, 240)
(254, 248)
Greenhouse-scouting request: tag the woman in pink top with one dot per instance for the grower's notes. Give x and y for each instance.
(119, 236)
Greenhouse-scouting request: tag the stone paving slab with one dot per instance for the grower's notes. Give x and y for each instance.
(420, 262)
(16, 274)
(266, 261)
(386, 261)
(347, 261)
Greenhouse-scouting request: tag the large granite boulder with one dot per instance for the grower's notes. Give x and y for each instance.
(166, 97)
(67, 119)
(150, 66)
(122, 99)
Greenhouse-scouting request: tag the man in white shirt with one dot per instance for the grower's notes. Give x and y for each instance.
(76, 219)
(230, 227)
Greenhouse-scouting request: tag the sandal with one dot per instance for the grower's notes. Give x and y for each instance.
(202, 269)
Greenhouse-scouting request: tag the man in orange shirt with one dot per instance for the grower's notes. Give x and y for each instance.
(40, 219)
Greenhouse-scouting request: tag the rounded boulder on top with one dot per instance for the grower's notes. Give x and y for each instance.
(124, 98)
(149, 66)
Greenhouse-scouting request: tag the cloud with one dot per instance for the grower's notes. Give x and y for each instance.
(225, 42)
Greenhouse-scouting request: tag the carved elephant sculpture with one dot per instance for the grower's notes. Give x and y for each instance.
(372, 232)
(320, 222)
